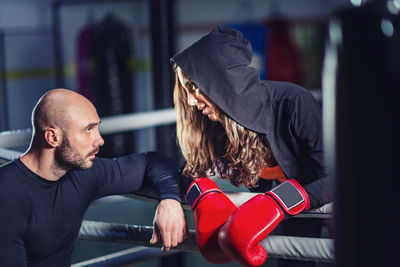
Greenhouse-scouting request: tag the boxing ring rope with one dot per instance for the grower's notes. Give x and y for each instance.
(108, 125)
(125, 257)
(277, 246)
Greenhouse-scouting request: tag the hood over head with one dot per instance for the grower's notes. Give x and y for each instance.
(286, 113)
(218, 64)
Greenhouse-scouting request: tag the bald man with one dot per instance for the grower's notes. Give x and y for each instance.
(44, 194)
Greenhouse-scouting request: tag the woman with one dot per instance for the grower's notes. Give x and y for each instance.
(232, 123)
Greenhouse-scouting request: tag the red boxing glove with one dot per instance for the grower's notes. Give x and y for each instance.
(241, 235)
(211, 208)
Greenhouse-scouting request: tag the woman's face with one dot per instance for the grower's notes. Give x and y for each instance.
(195, 97)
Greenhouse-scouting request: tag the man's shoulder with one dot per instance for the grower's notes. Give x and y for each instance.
(11, 175)
(8, 168)
(14, 186)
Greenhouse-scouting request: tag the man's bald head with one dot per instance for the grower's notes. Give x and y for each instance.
(66, 133)
(57, 108)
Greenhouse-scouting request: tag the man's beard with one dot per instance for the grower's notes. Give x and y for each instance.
(67, 159)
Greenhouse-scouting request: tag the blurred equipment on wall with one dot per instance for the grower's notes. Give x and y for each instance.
(309, 36)
(284, 59)
(287, 50)
(104, 75)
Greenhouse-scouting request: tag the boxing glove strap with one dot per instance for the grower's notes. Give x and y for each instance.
(291, 196)
(198, 189)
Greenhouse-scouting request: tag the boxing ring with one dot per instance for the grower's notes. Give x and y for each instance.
(277, 246)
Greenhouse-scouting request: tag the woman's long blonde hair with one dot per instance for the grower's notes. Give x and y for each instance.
(232, 150)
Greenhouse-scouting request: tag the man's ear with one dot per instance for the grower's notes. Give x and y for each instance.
(53, 136)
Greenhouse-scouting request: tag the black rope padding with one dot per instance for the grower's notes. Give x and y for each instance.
(283, 247)
(126, 257)
(125, 233)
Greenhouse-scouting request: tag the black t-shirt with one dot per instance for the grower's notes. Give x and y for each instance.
(40, 219)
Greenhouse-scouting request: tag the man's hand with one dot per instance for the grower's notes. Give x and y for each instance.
(169, 224)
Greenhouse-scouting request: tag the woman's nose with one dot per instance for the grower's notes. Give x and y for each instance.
(192, 101)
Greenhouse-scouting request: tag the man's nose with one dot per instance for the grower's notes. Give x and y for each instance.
(99, 140)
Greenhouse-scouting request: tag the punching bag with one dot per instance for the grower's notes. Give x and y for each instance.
(112, 79)
(361, 95)
(83, 61)
(284, 61)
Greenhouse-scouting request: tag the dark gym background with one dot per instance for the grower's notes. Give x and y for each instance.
(46, 44)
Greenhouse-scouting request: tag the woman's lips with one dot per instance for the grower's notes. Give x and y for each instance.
(206, 111)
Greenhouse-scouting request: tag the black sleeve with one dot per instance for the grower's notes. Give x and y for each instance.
(184, 181)
(145, 171)
(262, 186)
(307, 124)
(320, 192)
(164, 175)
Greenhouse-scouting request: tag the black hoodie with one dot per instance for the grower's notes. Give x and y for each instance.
(286, 113)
